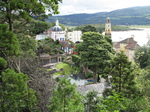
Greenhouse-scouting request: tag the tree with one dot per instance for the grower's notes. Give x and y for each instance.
(113, 103)
(143, 81)
(37, 27)
(26, 9)
(87, 28)
(66, 98)
(91, 101)
(142, 56)
(123, 76)
(8, 42)
(76, 60)
(49, 46)
(95, 52)
(3, 64)
(31, 28)
(15, 95)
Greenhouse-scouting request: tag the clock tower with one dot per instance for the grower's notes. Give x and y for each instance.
(108, 27)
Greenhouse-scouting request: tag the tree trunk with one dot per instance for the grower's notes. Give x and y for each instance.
(8, 16)
(85, 70)
(95, 75)
(120, 79)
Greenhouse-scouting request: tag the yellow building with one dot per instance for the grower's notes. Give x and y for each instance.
(128, 46)
(108, 27)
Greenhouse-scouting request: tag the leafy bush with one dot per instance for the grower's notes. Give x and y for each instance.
(88, 75)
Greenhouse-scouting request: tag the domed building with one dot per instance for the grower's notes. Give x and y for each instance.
(57, 27)
(56, 32)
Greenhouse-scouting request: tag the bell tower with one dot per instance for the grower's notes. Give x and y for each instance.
(108, 27)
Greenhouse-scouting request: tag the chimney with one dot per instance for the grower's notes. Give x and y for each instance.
(132, 36)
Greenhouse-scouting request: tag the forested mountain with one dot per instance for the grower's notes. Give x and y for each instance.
(127, 16)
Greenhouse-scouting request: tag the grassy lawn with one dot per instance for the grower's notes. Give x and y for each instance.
(49, 69)
(57, 73)
(66, 68)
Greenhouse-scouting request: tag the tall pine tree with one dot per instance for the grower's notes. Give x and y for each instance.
(66, 98)
(122, 73)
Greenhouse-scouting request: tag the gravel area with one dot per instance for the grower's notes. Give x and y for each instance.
(99, 87)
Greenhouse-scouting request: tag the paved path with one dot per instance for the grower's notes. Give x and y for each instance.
(99, 87)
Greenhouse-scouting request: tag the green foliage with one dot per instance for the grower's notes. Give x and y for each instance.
(27, 43)
(95, 52)
(91, 101)
(3, 63)
(76, 59)
(8, 42)
(20, 9)
(14, 92)
(101, 28)
(88, 75)
(142, 56)
(37, 27)
(112, 103)
(49, 46)
(117, 103)
(139, 104)
(143, 81)
(123, 76)
(120, 28)
(87, 28)
(31, 28)
(65, 68)
(66, 98)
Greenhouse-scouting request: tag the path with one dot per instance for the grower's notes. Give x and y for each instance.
(99, 87)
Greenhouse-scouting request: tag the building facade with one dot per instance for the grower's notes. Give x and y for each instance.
(128, 46)
(74, 36)
(56, 32)
(41, 36)
(108, 27)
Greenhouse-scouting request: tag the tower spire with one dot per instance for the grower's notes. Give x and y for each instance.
(57, 22)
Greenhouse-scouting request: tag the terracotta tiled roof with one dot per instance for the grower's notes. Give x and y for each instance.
(131, 43)
(128, 40)
(131, 46)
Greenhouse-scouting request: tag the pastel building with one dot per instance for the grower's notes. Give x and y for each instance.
(56, 32)
(74, 36)
(128, 46)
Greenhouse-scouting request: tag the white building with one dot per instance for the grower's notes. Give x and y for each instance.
(41, 36)
(56, 32)
(74, 36)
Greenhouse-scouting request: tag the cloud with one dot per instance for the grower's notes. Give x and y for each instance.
(91, 6)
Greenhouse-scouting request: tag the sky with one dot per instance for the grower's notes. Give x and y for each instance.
(92, 6)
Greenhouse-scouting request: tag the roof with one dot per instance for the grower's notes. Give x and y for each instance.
(108, 18)
(42, 56)
(57, 27)
(116, 44)
(128, 40)
(130, 43)
(131, 46)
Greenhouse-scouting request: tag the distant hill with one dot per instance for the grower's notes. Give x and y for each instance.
(127, 16)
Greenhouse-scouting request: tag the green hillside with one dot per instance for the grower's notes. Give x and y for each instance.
(127, 16)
